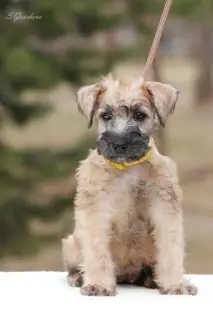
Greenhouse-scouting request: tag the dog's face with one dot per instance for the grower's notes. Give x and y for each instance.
(127, 115)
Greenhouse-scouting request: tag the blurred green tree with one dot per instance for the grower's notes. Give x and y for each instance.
(58, 43)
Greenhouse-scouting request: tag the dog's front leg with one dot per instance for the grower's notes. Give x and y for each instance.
(169, 240)
(99, 278)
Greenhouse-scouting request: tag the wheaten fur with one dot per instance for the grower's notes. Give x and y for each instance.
(127, 218)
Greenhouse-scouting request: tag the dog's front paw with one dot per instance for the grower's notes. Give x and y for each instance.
(96, 290)
(182, 289)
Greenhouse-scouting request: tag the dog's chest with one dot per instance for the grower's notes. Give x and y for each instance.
(133, 183)
(132, 217)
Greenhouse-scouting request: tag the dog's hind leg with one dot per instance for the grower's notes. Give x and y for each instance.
(146, 278)
(72, 259)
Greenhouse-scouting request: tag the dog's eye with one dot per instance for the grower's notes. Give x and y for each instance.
(106, 116)
(140, 116)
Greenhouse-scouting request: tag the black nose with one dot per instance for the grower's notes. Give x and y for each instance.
(118, 143)
(119, 148)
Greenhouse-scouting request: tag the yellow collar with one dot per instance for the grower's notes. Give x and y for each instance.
(128, 164)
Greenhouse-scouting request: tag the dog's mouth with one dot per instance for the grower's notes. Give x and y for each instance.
(133, 149)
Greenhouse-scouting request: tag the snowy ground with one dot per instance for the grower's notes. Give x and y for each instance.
(46, 296)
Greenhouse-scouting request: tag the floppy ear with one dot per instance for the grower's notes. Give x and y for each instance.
(163, 98)
(88, 99)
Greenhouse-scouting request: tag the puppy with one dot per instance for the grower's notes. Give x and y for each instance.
(128, 205)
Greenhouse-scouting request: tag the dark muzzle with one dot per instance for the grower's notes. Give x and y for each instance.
(124, 147)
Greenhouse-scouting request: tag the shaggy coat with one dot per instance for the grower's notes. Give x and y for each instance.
(130, 219)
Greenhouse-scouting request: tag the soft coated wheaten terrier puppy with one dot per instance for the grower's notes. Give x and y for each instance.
(129, 224)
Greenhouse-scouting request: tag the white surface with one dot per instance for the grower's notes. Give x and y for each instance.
(46, 296)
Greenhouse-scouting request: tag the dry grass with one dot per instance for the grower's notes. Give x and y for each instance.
(189, 134)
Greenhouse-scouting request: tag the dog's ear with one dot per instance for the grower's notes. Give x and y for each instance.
(163, 98)
(88, 99)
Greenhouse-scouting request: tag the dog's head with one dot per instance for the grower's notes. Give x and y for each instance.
(127, 114)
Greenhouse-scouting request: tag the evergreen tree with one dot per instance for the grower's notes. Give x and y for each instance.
(38, 53)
